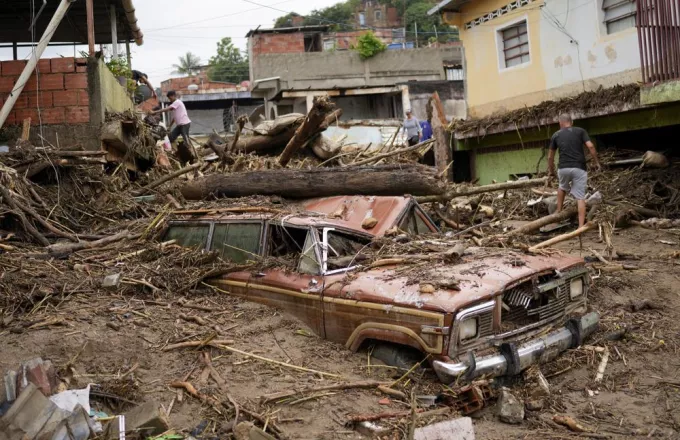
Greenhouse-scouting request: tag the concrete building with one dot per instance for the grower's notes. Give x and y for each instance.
(521, 54)
(211, 105)
(288, 70)
(374, 14)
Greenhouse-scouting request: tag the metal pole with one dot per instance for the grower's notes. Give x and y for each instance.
(114, 31)
(15, 51)
(33, 61)
(89, 6)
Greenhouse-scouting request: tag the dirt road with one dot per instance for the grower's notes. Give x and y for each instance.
(640, 393)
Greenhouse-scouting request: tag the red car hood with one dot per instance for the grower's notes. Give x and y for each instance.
(478, 277)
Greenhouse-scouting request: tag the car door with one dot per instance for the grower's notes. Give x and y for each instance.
(238, 242)
(297, 292)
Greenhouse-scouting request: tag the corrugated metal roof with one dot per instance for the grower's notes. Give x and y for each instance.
(16, 18)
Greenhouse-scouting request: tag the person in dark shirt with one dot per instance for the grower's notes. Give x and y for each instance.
(571, 169)
(140, 77)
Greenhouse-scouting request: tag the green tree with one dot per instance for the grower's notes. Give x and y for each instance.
(228, 65)
(368, 45)
(339, 16)
(188, 64)
(417, 13)
(286, 20)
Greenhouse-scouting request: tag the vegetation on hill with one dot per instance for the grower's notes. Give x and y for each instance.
(413, 13)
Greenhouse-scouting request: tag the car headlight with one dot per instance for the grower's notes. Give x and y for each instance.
(576, 288)
(467, 329)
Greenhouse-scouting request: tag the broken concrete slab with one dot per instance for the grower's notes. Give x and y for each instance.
(31, 414)
(510, 408)
(38, 372)
(11, 386)
(147, 419)
(111, 281)
(457, 429)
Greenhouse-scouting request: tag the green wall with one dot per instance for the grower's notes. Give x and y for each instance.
(501, 165)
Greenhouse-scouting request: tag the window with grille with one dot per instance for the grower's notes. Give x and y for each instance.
(515, 44)
(454, 73)
(619, 14)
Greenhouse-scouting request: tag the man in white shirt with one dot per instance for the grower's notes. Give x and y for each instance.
(179, 117)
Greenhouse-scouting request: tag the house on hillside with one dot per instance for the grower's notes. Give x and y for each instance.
(289, 67)
(522, 54)
(374, 14)
(211, 105)
(63, 99)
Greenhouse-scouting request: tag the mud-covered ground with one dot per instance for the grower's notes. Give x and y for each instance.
(639, 396)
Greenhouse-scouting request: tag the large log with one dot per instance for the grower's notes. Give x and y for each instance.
(390, 180)
(565, 214)
(309, 128)
(453, 193)
(256, 144)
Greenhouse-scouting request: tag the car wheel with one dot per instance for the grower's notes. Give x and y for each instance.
(396, 355)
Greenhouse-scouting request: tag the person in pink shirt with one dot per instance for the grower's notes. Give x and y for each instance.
(180, 118)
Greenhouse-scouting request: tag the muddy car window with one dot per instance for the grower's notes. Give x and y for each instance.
(237, 242)
(296, 244)
(344, 250)
(309, 263)
(414, 224)
(195, 236)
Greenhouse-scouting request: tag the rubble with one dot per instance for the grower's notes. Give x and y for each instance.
(457, 429)
(510, 408)
(78, 235)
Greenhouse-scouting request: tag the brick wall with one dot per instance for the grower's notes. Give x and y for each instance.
(278, 43)
(60, 90)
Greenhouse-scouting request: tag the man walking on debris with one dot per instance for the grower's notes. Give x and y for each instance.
(412, 128)
(572, 172)
(180, 118)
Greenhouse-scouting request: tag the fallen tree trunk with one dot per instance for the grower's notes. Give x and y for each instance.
(543, 221)
(452, 194)
(391, 180)
(68, 248)
(563, 237)
(256, 144)
(166, 178)
(308, 129)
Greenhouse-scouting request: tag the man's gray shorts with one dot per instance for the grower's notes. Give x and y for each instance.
(573, 180)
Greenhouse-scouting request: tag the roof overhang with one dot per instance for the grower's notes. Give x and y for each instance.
(16, 18)
(446, 5)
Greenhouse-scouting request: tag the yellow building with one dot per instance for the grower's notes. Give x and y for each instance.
(521, 53)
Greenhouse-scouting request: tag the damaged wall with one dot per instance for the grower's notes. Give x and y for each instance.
(55, 97)
(451, 94)
(106, 93)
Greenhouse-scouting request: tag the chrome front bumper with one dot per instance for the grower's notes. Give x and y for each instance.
(513, 359)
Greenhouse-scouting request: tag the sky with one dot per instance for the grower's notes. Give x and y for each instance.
(174, 27)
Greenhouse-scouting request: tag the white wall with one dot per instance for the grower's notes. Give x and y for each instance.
(582, 50)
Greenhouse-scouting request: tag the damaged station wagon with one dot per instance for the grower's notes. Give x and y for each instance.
(506, 311)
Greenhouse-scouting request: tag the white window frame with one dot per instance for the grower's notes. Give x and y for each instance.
(498, 30)
(362, 18)
(603, 14)
(377, 15)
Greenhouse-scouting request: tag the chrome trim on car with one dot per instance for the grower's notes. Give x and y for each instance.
(477, 310)
(537, 350)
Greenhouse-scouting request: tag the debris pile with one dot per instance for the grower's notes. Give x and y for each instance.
(88, 226)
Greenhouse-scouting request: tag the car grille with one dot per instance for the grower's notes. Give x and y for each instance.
(523, 306)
